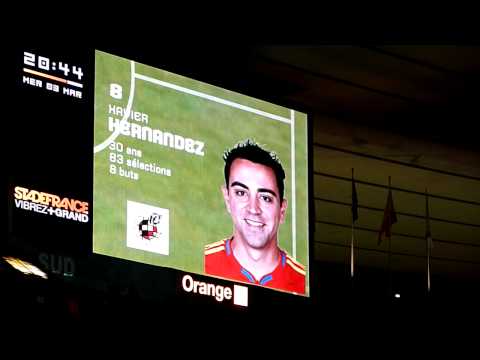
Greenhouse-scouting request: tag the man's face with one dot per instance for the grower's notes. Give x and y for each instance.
(253, 201)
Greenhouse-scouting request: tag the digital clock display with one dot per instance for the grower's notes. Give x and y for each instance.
(44, 63)
(51, 74)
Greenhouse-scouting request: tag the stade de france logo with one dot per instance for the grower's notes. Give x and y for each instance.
(147, 227)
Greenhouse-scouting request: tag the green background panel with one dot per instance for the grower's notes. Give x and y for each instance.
(192, 192)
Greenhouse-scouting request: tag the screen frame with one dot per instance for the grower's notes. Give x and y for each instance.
(205, 75)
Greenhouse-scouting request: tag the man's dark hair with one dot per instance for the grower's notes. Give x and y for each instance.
(250, 150)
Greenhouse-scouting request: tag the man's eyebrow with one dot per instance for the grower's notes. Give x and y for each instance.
(267, 191)
(238, 183)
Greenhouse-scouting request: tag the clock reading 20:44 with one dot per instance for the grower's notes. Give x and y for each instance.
(55, 76)
(44, 63)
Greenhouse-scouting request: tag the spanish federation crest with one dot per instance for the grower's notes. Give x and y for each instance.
(147, 227)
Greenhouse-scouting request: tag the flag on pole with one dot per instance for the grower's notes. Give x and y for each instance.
(389, 217)
(428, 238)
(354, 218)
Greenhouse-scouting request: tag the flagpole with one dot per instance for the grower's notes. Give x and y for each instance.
(428, 236)
(352, 255)
(352, 267)
(389, 266)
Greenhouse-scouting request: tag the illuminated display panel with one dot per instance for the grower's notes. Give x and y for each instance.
(159, 141)
(49, 164)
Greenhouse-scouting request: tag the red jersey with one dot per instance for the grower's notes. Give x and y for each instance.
(289, 275)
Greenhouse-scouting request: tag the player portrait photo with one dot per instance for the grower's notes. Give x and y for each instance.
(254, 197)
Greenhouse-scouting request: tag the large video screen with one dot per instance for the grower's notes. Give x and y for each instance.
(198, 178)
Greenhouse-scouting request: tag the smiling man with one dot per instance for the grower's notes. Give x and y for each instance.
(254, 197)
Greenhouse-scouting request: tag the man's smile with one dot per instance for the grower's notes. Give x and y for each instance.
(254, 223)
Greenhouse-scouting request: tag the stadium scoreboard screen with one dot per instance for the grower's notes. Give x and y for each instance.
(116, 159)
